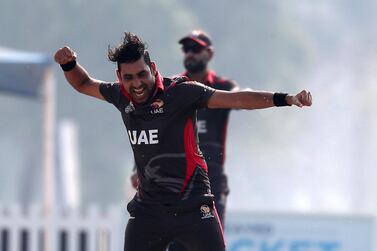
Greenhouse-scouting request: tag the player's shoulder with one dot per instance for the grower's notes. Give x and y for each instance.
(224, 83)
(178, 81)
(113, 93)
(110, 85)
(109, 88)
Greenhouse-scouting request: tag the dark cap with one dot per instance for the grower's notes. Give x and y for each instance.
(197, 36)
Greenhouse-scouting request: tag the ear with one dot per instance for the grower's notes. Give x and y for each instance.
(118, 75)
(153, 68)
(211, 52)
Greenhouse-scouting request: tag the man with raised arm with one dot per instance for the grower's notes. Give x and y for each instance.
(173, 200)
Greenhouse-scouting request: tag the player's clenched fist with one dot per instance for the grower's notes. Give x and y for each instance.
(64, 55)
(304, 98)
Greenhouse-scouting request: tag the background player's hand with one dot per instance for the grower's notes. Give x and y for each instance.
(304, 98)
(64, 55)
(134, 180)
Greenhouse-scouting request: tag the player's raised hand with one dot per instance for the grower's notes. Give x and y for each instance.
(303, 98)
(64, 55)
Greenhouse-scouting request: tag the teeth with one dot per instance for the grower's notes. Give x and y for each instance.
(138, 91)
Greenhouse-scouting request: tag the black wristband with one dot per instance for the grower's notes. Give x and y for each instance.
(68, 66)
(279, 99)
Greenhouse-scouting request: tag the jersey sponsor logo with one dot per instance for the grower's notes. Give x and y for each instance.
(201, 126)
(206, 212)
(157, 106)
(130, 108)
(147, 137)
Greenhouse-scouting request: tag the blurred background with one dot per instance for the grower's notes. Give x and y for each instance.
(314, 160)
(318, 159)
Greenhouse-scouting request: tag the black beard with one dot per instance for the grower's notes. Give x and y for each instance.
(195, 68)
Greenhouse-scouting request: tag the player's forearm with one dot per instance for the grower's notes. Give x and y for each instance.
(245, 99)
(249, 99)
(77, 77)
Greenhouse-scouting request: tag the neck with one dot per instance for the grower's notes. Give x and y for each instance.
(197, 76)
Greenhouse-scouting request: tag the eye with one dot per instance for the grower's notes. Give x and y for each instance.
(142, 74)
(127, 77)
(186, 49)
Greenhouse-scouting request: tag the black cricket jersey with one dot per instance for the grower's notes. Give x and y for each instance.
(212, 130)
(163, 136)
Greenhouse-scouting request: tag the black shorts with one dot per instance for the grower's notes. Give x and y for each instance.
(220, 204)
(196, 226)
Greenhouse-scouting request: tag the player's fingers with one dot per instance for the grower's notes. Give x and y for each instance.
(60, 57)
(66, 51)
(64, 55)
(298, 103)
(310, 98)
(69, 53)
(305, 98)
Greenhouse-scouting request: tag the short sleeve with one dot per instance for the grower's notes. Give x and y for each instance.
(227, 85)
(192, 94)
(111, 92)
(233, 85)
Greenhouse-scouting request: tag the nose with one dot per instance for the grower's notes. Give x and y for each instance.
(189, 53)
(190, 56)
(136, 83)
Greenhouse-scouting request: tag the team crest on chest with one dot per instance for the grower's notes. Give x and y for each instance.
(157, 106)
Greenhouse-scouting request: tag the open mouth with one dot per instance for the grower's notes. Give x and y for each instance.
(139, 93)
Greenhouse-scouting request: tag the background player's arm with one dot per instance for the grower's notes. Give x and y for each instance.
(134, 180)
(78, 77)
(134, 177)
(249, 99)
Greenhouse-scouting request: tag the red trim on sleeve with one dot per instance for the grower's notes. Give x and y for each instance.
(193, 158)
(211, 77)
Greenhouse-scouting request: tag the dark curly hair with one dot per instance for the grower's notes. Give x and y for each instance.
(130, 50)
